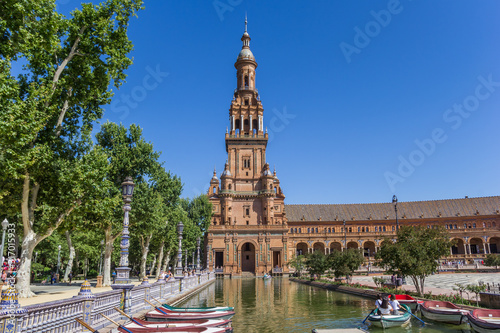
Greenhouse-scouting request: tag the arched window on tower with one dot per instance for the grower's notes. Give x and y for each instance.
(246, 125)
(255, 125)
(237, 125)
(246, 81)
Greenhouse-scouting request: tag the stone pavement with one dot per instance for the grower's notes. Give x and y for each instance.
(54, 292)
(439, 283)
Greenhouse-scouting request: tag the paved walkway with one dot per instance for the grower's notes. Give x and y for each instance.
(54, 292)
(440, 283)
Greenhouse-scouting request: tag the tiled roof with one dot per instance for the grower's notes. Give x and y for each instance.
(384, 211)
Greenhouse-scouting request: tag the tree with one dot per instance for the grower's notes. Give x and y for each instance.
(317, 263)
(49, 109)
(415, 253)
(345, 263)
(129, 154)
(200, 211)
(298, 262)
(492, 260)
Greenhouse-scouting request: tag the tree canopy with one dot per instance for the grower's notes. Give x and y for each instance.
(415, 253)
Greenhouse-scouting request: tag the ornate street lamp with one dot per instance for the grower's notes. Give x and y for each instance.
(5, 224)
(185, 260)
(345, 237)
(395, 203)
(122, 280)
(178, 269)
(198, 240)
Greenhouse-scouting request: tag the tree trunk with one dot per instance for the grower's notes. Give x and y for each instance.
(165, 262)
(24, 272)
(144, 256)
(69, 267)
(153, 266)
(108, 250)
(77, 264)
(85, 267)
(160, 258)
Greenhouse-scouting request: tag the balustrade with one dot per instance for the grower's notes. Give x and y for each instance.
(59, 316)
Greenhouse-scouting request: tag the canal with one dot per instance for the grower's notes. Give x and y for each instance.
(279, 305)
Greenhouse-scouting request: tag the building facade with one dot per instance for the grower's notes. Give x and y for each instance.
(254, 232)
(248, 232)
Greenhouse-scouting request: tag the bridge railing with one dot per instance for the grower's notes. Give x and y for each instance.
(59, 316)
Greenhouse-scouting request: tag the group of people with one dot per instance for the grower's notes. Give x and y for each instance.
(10, 268)
(386, 306)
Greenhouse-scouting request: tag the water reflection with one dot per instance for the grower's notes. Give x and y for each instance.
(279, 305)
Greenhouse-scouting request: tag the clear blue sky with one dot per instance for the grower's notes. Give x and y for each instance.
(359, 102)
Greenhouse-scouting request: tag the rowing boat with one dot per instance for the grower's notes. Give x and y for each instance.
(386, 321)
(408, 300)
(139, 329)
(445, 312)
(200, 309)
(163, 314)
(191, 323)
(484, 320)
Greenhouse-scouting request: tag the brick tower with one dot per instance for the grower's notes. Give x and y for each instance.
(248, 232)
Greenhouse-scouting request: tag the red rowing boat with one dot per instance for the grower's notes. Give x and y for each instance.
(485, 320)
(409, 301)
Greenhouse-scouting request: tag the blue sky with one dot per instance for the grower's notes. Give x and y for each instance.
(363, 99)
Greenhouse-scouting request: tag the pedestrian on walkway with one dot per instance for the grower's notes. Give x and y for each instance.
(70, 277)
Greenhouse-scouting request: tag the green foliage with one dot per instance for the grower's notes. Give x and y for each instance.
(316, 263)
(378, 281)
(492, 260)
(476, 289)
(200, 211)
(415, 253)
(298, 262)
(345, 263)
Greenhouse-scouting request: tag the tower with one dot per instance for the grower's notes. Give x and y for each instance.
(248, 232)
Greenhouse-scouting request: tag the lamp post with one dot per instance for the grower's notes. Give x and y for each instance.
(194, 267)
(345, 237)
(178, 269)
(198, 240)
(5, 224)
(122, 280)
(58, 262)
(185, 260)
(395, 203)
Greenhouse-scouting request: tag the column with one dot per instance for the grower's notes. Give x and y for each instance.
(233, 123)
(251, 129)
(465, 248)
(484, 248)
(489, 248)
(260, 124)
(241, 125)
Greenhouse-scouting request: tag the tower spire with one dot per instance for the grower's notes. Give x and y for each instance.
(246, 21)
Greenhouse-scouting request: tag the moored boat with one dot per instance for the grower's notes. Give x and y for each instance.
(163, 314)
(191, 323)
(445, 312)
(386, 321)
(484, 320)
(408, 300)
(200, 309)
(139, 329)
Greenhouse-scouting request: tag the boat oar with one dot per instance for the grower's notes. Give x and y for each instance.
(404, 309)
(126, 315)
(156, 307)
(114, 322)
(367, 316)
(87, 326)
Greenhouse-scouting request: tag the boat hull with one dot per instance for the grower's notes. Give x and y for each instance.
(444, 312)
(179, 330)
(485, 320)
(200, 323)
(163, 314)
(387, 321)
(202, 309)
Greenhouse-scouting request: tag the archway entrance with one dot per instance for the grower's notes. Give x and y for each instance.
(248, 258)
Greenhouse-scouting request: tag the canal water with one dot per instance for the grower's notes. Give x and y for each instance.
(280, 305)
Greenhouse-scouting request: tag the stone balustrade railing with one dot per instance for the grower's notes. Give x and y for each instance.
(59, 316)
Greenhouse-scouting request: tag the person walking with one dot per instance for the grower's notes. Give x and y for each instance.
(70, 277)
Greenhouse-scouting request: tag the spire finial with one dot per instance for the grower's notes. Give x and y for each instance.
(246, 21)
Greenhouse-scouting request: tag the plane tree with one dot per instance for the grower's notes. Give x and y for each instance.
(415, 253)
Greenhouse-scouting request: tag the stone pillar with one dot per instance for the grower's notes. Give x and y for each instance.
(10, 307)
(465, 248)
(489, 248)
(251, 129)
(233, 124)
(88, 305)
(484, 248)
(241, 125)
